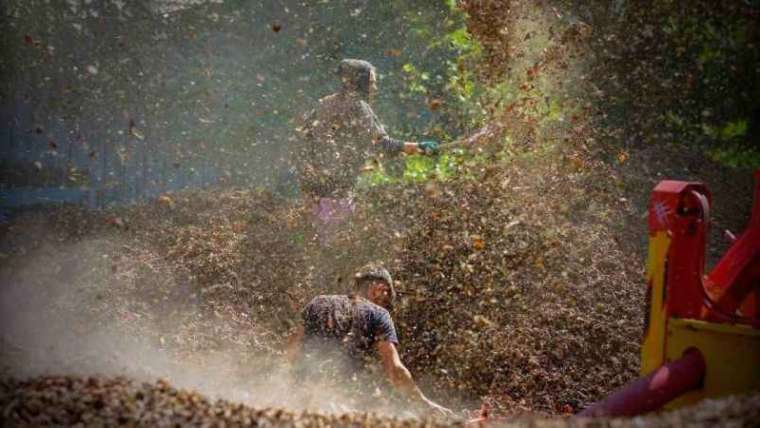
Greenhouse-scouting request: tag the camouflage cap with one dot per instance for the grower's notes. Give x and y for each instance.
(377, 271)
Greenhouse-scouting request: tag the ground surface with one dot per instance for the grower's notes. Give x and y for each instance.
(117, 401)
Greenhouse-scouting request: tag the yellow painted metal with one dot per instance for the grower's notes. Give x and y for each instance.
(653, 345)
(731, 352)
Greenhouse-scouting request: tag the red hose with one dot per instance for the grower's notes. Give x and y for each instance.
(655, 390)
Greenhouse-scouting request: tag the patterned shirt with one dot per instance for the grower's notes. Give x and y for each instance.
(352, 324)
(340, 333)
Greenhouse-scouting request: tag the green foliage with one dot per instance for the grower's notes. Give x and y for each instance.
(461, 41)
(415, 79)
(736, 156)
(464, 89)
(420, 168)
(448, 85)
(685, 71)
(734, 130)
(374, 177)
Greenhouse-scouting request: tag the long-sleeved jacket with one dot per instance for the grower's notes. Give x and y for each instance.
(340, 135)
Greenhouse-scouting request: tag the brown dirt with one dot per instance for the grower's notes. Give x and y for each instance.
(90, 401)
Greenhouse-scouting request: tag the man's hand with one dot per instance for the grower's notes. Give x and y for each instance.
(294, 345)
(400, 378)
(437, 409)
(428, 147)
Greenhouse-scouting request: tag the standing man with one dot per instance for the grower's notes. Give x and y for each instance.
(350, 328)
(340, 136)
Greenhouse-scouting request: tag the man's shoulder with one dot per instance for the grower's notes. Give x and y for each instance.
(338, 105)
(365, 108)
(343, 300)
(344, 100)
(379, 321)
(326, 306)
(328, 298)
(330, 100)
(374, 308)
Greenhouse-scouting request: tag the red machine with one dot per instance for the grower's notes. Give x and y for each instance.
(702, 336)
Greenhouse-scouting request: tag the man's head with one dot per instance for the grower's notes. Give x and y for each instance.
(358, 76)
(374, 282)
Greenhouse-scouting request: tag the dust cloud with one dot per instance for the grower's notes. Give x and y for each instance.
(64, 311)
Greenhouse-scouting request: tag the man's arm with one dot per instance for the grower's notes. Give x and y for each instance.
(391, 145)
(294, 346)
(400, 377)
(412, 148)
(381, 138)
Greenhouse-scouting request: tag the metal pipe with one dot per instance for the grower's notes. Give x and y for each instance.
(653, 391)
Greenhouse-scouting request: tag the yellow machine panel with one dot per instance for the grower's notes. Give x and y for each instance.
(731, 353)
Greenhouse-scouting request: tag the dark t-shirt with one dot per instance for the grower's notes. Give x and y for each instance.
(351, 323)
(340, 334)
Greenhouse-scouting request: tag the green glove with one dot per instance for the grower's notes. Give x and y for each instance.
(428, 147)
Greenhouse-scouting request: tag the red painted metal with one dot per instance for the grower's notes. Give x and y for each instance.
(654, 391)
(729, 294)
(682, 209)
(733, 286)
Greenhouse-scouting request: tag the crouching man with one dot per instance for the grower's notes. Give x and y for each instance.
(350, 328)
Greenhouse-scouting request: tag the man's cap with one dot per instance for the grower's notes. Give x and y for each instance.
(355, 72)
(376, 271)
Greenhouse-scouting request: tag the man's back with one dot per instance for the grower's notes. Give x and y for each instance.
(339, 330)
(340, 136)
(347, 323)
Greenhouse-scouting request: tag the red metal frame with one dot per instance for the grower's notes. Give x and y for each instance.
(734, 284)
(730, 293)
(682, 210)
